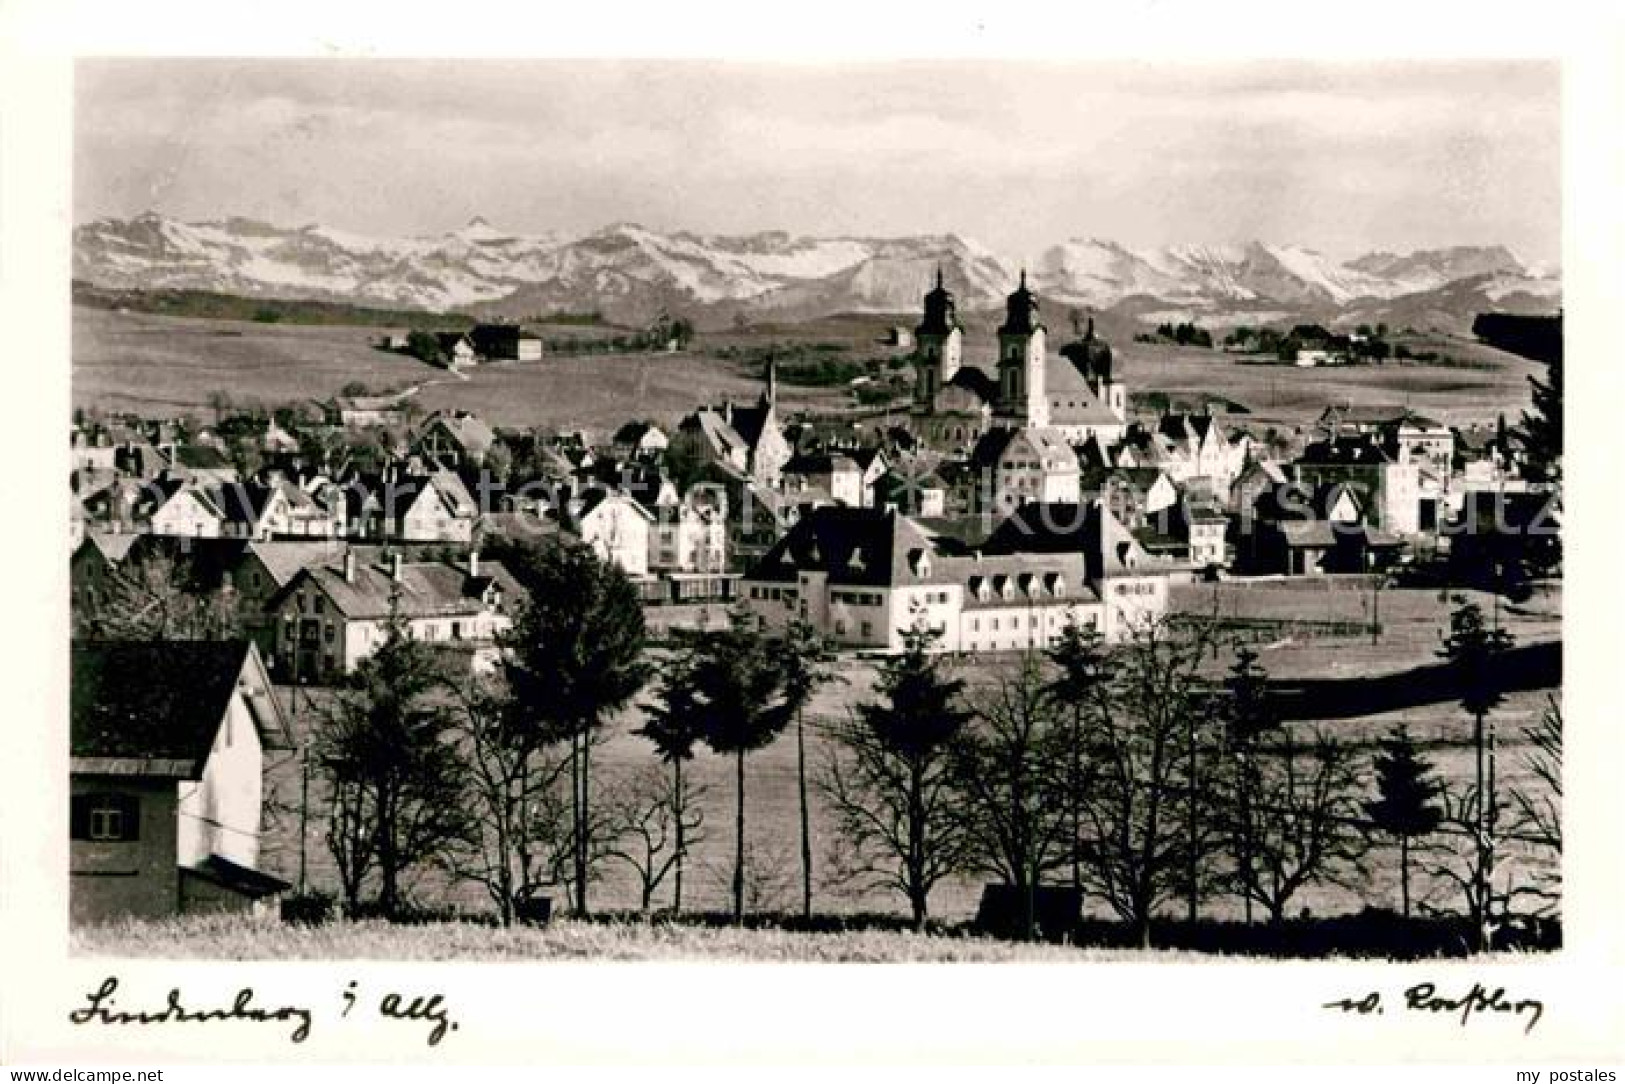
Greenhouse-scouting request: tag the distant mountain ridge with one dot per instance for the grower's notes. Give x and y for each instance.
(629, 272)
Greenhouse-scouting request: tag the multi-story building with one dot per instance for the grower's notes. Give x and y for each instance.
(333, 614)
(865, 577)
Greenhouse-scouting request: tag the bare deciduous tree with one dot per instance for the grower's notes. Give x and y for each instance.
(1018, 821)
(1139, 852)
(1306, 820)
(657, 820)
(891, 782)
(521, 837)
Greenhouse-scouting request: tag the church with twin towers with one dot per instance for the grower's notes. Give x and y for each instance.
(1071, 396)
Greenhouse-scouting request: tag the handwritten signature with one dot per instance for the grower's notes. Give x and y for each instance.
(102, 1008)
(1424, 997)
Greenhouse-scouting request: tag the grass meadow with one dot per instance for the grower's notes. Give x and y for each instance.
(162, 365)
(238, 938)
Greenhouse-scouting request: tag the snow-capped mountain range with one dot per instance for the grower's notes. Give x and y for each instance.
(628, 272)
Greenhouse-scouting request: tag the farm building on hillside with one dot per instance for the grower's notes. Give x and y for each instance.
(505, 342)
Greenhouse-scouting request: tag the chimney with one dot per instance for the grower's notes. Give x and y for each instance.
(473, 563)
(349, 566)
(395, 566)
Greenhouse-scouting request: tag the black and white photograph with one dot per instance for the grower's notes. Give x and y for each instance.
(992, 511)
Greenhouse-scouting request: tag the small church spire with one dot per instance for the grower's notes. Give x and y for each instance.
(1023, 278)
(939, 276)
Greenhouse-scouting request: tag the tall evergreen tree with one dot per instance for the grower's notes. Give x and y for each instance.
(738, 682)
(1080, 685)
(808, 660)
(1249, 716)
(675, 725)
(1473, 649)
(1406, 807)
(1541, 431)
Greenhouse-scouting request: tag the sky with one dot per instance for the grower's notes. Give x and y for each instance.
(1343, 157)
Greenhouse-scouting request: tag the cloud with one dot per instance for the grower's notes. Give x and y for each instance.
(1014, 152)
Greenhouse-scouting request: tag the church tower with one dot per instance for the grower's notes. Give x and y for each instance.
(939, 344)
(1093, 358)
(1022, 395)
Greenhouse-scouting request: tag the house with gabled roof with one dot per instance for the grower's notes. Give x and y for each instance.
(453, 439)
(824, 478)
(457, 348)
(227, 510)
(433, 507)
(168, 749)
(335, 613)
(640, 439)
(1391, 490)
(748, 439)
(1031, 464)
(613, 524)
(505, 342)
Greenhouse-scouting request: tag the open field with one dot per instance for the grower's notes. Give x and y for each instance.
(161, 365)
(1412, 620)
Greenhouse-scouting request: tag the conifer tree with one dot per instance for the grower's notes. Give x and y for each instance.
(1406, 807)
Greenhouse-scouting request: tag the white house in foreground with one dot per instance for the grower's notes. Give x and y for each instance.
(168, 745)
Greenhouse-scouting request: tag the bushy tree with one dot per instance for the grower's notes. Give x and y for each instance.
(424, 346)
(891, 782)
(1407, 803)
(387, 750)
(1541, 431)
(574, 656)
(151, 595)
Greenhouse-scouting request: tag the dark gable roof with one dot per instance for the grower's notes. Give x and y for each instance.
(200, 457)
(426, 589)
(241, 879)
(859, 546)
(1345, 451)
(821, 463)
(489, 339)
(160, 700)
(749, 422)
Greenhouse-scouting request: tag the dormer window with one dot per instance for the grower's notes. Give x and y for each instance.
(919, 562)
